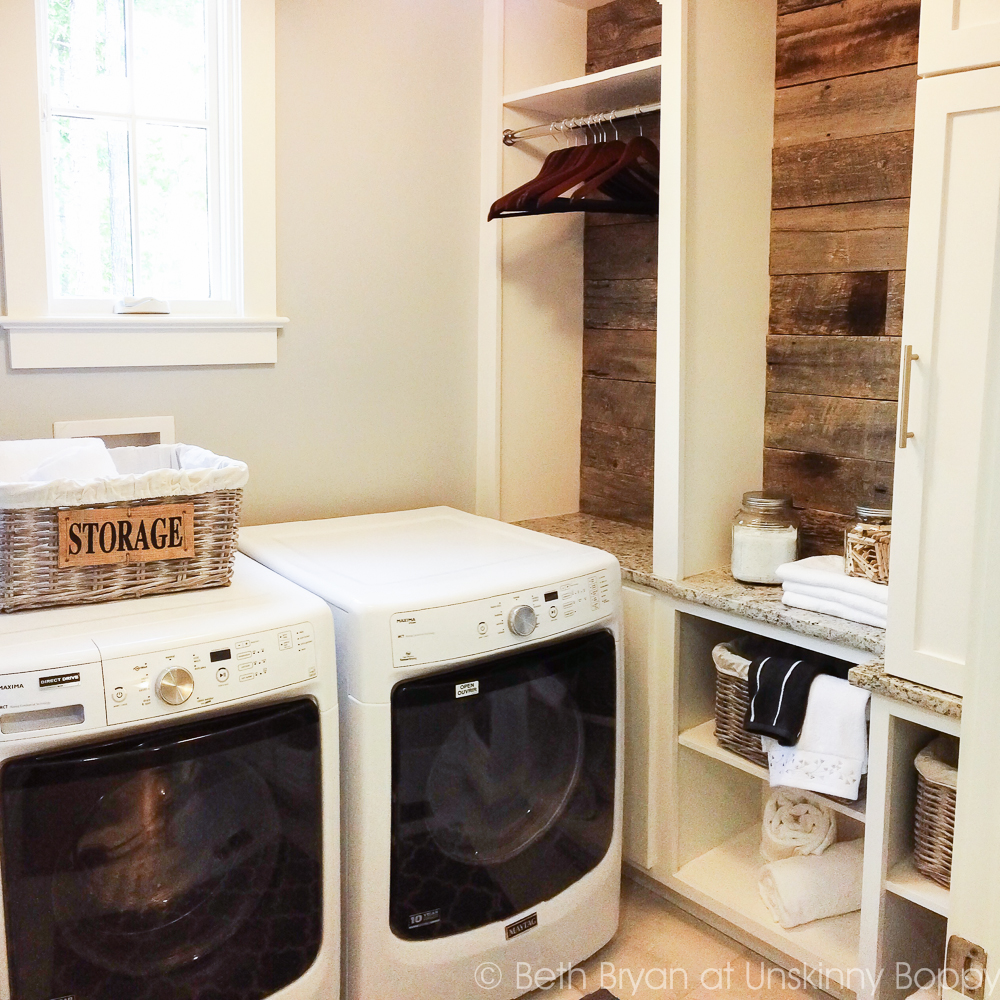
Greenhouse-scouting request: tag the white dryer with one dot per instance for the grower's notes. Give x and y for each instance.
(169, 797)
(480, 671)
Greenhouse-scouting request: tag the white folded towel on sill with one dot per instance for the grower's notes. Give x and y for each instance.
(832, 751)
(796, 822)
(876, 609)
(835, 608)
(800, 889)
(828, 571)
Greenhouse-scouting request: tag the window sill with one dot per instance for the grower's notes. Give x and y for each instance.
(140, 341)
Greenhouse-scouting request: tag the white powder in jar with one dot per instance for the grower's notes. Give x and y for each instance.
(758, 552)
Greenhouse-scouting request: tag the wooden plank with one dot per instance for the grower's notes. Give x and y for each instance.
(624, 304)
(855, 36)
(827, 482)
(865, 168)
(894, 304)
(866, 104)
(620, 354)
(831, 425)
(821, 532)
(843, 305)
(852, 216)
(861, 367)
(790, 6)
(615, 252)
(616, 496)
(818, 253)
(627, 450)
(619, 402)
(622, 32)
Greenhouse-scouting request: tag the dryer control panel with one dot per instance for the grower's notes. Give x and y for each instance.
(149, 685)
(460, 631)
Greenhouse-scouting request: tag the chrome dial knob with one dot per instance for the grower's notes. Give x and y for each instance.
(522, 620)
(175, 685)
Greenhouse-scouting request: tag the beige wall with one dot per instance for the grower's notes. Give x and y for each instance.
(372, 403)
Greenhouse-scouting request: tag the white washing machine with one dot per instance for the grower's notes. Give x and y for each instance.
(169, 801)
(480, 671)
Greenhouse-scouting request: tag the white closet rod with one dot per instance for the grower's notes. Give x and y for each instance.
(510, 136)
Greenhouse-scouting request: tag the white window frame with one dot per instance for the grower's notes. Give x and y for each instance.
(45, 333)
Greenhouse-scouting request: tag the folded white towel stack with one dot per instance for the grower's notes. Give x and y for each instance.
(832, 751)
(821, 583)
(796, 822)
(800, 889)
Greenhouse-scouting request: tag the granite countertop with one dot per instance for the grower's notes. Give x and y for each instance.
(633, 547)
(873, 677)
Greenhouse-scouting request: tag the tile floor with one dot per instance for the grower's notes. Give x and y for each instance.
(662, 953)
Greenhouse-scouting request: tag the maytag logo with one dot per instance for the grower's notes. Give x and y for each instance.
(11, 687)
(522, 925)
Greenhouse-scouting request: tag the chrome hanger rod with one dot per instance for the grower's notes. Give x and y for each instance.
(510, 136)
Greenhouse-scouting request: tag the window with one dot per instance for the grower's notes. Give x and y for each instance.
(138, 139)
(137, 157)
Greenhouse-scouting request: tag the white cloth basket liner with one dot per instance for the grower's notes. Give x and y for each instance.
(938, 761)
(160, 470)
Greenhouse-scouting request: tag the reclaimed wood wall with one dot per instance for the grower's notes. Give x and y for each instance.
(619, 346)
(843, 145)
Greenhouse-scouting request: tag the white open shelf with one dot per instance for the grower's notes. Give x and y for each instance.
(726, 880)
(702, 739)
(904, 880)
(621, 87)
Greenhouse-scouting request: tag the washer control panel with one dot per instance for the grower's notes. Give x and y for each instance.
(458, 631)
(149, 685)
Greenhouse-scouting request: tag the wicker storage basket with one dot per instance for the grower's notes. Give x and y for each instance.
(934, 819)
(732, 698)
(30, 574)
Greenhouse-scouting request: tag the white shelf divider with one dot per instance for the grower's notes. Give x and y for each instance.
(702, 739)
(621, 87)
(904, 880)
(725, 880)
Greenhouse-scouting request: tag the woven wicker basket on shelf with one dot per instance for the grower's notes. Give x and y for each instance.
(732, 699)
(934, 819)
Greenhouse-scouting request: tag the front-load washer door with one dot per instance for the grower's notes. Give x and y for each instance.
(181, 863)
(503, 783)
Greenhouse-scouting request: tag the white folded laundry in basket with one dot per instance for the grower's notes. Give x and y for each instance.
(136, 474)
(41, 461)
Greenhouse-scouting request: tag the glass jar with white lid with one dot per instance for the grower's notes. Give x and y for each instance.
(765, 535)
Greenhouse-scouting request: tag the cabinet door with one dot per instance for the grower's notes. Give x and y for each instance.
(949, 320)
(958, 34)
(638, 611)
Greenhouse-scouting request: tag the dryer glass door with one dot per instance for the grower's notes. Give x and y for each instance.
(184, 862)
(503, 784)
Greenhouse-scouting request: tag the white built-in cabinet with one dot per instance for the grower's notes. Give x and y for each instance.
(692, 809)
(949, 322)
(958, 34)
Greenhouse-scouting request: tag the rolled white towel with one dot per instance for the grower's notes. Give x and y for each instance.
(800, 889)
(796, 823)
(874, 608)
(834, 608)
(829, 571)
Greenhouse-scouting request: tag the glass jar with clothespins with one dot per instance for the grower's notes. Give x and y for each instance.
(866, 544)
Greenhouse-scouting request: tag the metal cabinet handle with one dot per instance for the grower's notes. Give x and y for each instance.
(904, 397)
